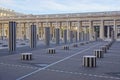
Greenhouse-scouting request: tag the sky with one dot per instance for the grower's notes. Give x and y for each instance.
(60, 6)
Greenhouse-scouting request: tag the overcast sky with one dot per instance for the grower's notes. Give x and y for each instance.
(60, 6)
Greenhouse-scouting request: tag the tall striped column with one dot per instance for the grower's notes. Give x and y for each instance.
(65, 36)
(71, 36)
(12, 36)
(76, 36)
(47, 36)
(57, 35)
(79, 37)
(33, 36)
(83, 35)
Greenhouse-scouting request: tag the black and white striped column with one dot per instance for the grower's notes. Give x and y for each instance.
(85, 36)
(57, 35)
(12, 36)
(82, 36)
(47, 36)
(71, 36)
(89, 61)
(65, 36)
(76, 37)
(99, 53)
(33, 36)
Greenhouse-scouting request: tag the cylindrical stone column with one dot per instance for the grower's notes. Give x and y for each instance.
(47, 36)
(71, 36)
(57, 35)
(89, 61)
(83, 35)
(65, 36)
(12, 36)
(79, 36)
(102, 30)
(99, 53)
(76, 36)
(33, 37)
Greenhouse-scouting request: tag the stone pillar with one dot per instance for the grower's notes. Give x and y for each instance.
(51, 31)
(68, 30)
(3, 31)
(85, 34)
(33, 37)
(102, 30)
(95, 36)
(78, 31)
(47, 36)
(57, 35)
(24, 27)
(112, 35)
(28, 31)
(90, 30)
(42, 30)
(71, 36)
(65, 36)
(37, 28)
(60, 31)
(76, 37)
(20, 31)
(108, 32)
(82, 35)
(115, 30)
(79, 36)
(12, 36)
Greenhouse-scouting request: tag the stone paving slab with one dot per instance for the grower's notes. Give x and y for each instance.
(64, 65)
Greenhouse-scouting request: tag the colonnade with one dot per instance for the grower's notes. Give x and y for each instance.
(66, 31)
(102, 31)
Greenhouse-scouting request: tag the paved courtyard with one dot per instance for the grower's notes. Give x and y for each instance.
(64, 65)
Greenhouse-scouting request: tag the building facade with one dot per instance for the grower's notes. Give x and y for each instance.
(95, 25)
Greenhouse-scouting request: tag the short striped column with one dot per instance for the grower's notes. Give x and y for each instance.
(51, 50)
(57, 35)
(99, 53)
(66, 47)
(26, 56)
(82, 43)
(47, 36)
(87, 42)
(104, 49)
(65, 36)
(107, 46)
(75, 45)
(33, 36)
(12, 36)
(89, 61)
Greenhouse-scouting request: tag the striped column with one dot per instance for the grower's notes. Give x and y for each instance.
(89, 61)
(57, 35)
(104, 48)
(65, 36)
(99, 53)
(83, 35)
(33, 36)
(47, 36)
(76, 37)
(12, 36)
(71, 36)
